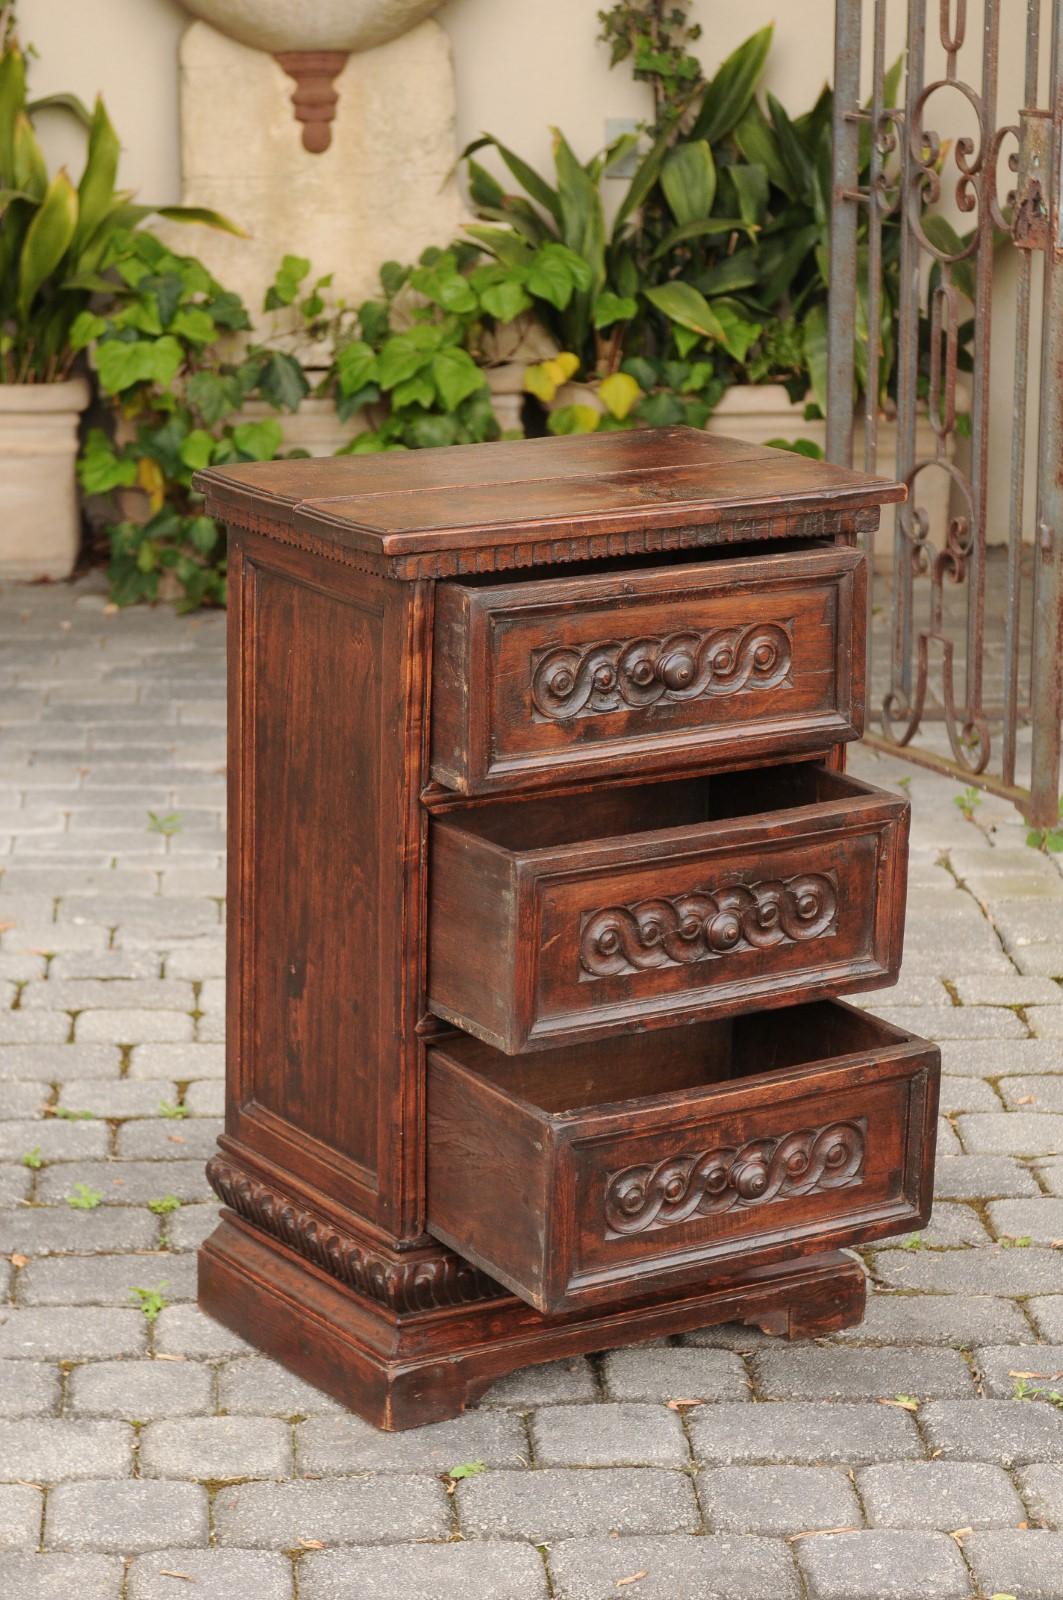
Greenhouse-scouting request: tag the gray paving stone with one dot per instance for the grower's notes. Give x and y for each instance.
(21, 1100)
(1017, 1133)
(57, 1577)
(255, 1386)
(948, 1143)
(206, 1098)
(1038, 1092)
(1046, 1021)
(777, 1500)
(140, 1390)
(1041, 1486)
(953, 1319)
(1038, 959)
(982, 1177)
(1050, 1173)
(668, 1373)
(988, 1271)
(117, 1098)
(28, 1388)
(956, 1022)
(181, 1061)
(160, 1137)
(211, 1029)
(127, 1183)
(837, 1374)
(126, 1517)
(55, 1139)
(1009, 1432)
(186, 1229)
(939, 1494)
(803, 1433)
(1047, 1313)
(34, 1027)
(187, 1331)
(106, 1280)
(1013, 990)
(968, 1094)
(987, 1058)
(45, 1450)
(210, 1575)
(48, 1333)
(131, 1027)
(551, 1383)
(103, 964)
(358, 1510)
(330, 1444)
(558, 1503)
(611, 1435)
(21, 968)
(50, 1063)
(883, 1564)
(52, 1230)
(425, 1572)
(20, 1516)
(50, 937)
(951, 1224)
(1027, 1563)
(197, 962)
(1000, 1366)
(719, 1567)
(93, 994)
(15, 1183)
(216, 1447)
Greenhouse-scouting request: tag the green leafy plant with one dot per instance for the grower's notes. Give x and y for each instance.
(174, 1112)
(466, 1469)
(33, 1158)
(83, 1197)
(968, 800)
(655, 35)
(66, 1115)
(151, 1301)
(57, 239)
(1050, 840)
(168, 824)
(164, 1204)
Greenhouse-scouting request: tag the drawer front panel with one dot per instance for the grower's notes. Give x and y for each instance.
(720, 1160)
(717, 928)
(659, 668)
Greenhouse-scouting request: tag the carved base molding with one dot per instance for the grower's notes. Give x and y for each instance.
(422, 1280)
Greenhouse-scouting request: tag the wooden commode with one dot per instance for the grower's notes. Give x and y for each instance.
(544, 880)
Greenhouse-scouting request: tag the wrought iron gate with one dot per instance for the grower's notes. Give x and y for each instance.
(966, 611)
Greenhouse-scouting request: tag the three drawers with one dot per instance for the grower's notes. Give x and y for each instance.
(570, 918)
(604, 1172)
(663, 668)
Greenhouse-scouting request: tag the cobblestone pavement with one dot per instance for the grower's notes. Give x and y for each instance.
(156, 1457)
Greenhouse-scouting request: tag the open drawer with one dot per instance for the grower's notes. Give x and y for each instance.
(606, 1171)
(661, 668)
(578, 916)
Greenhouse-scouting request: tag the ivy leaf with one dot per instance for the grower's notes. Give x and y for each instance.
(416, 391)
(166, 289)
(212, 395)
(84, 328)
(285, 286)
(120, 365)
(739, 333)
(355, 366)
(196, 449)
(505, 300)
(573, 419)
(456, 376)
(399, 359)
(194, 324)
(282, 381)
(100, 470)
(203, 535)
(619, 392)
(258, 440)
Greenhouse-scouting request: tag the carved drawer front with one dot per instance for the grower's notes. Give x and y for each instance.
(658, 669)
(573, 917)
(612, 1170)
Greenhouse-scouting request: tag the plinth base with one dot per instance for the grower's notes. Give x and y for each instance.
(402, 1370)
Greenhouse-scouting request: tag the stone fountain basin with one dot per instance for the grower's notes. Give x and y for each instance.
(280, 25)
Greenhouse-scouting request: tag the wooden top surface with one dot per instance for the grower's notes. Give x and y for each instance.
(472, 497)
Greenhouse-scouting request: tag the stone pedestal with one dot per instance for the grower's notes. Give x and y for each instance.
(380, 191)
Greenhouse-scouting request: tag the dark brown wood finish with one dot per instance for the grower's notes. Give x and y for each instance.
(637, 671)
(382, 722)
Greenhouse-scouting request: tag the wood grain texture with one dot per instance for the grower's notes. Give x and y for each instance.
(809, 1129)
(666, 668)
(553, 921)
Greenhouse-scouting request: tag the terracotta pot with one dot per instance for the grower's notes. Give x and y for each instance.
(40, 519)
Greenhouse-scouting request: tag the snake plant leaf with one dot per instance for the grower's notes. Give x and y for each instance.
(688, 178)
(815, 345)
(582, 217)
(728, 96)
(203, 214)
(526, 176)
(48, 238)
(30, 167)
(646, 175)
(756, 139)
(683, 304)
(8, 195)
(96, 190)
(707, 227)
(507, 246)
(62, 102)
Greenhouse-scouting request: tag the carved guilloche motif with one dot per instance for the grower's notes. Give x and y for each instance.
(627, 675)
(712, 1181)
(683, 929)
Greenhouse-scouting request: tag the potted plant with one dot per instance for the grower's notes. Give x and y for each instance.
(55, 248)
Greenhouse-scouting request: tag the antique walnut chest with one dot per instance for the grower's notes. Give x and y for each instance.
(545, 877)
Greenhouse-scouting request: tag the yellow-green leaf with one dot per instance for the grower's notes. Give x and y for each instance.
(12, 102)
(96, 189)
(682, 303)
(30, 167)
(47, 238)
(573, 419)
(619, 392)
(688, 179)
